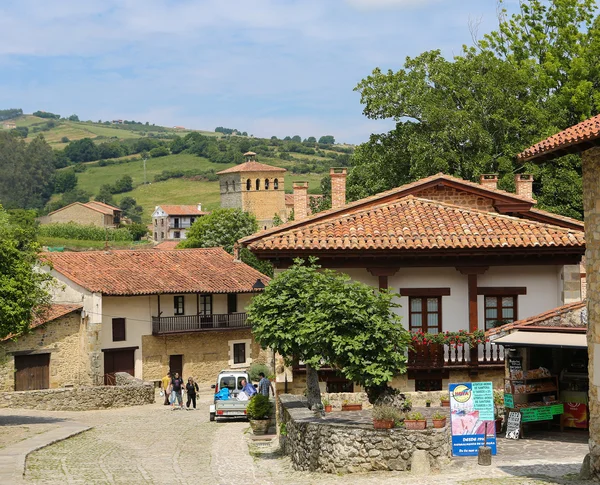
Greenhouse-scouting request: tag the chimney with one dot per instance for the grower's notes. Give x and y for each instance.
(300, 200)
(338, 187)
(489, 180)
(199, 206)
(236, 252)
(524, 185)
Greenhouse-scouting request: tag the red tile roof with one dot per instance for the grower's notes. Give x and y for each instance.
(413, 224)
(97, 209)
(102, 204)
(532, 321)
(182, 210)
(210, 270)
(566, 141)
(252, 166)
(166, 245)
(53, 312)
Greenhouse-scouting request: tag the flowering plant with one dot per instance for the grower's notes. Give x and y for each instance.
(462, 337)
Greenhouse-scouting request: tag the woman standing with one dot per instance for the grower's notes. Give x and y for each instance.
(191, 388)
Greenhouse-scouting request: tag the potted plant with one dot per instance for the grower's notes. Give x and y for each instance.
(259, 413)
(327, 405)
(384, 417)
(439, 420)
(428, 403)
(415, 421)
(445, 401)
(351, 406)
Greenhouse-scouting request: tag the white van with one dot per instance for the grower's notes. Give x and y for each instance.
(229, 408)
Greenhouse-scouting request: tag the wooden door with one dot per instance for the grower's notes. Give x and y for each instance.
(176, 364)
(32, 372)
(118, 361)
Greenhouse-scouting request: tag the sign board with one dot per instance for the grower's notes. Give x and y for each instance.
(513, 425)
(541, 413)
(509, 401)
(515, 367)
(471, 411)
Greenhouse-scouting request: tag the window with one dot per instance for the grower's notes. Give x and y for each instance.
(500, 310)
(177, 234)
(233, 186)
(226, 186)
(231, 302)
(248, 184)
(266, 184)
(205, 304)
(162, 235)
(257, 184)
(192, 220)
(162, 222)
(239, 353)
(178, 303)
(176, 222)
(155, 236)
(155, 222)
(425, 314)
(276, 184)
(118, 329)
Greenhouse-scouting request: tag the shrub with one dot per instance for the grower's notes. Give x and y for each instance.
(415, 416)
(386, 413)
(438, 416)
(65, 139)
(259, 407)
(256, 369)
(72, 230)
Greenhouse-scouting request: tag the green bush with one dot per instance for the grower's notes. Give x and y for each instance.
(259, 407)
(386, 413)
(72, 230)
(256, 369)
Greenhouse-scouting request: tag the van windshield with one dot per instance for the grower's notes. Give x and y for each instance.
(233, 383)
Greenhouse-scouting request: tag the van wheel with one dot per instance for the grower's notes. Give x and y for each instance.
(212, 416)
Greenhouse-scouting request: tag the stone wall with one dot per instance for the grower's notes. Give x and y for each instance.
(457, 197)
(80, 214)
(316, 444)
(591, 206)
(65, 339)
(264, 204)
(205, 354)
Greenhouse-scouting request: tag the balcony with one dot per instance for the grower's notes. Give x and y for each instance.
(198, 323)
(438, 356)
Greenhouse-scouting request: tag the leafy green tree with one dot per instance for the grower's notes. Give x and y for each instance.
(322, 317)
(84, 150)
(23, 293)
(131, 209)
(22, 131)
(161, 151)
(106, 194)
(73, 118)
(124, 184)
(311, 139)
(297, 138)
(64, 181)
(137, 230)
(277, 220)
(535, 75)
(327, 140)
(69, 197)
(223, 228)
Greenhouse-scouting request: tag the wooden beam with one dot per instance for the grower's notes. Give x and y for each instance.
(383, 282)
(473, 317)
(502, 290)
(472, 270)
(425, 291)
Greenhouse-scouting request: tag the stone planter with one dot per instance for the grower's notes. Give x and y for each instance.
(328, 408)
(383, 424)
(415, 424)
(445, 404)
(260, 426)
(351, 407)
(439, 423)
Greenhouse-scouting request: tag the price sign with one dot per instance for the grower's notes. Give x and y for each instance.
(557, 409)
(513, 425)
(536, 414)
(509, 402)
(515, 367)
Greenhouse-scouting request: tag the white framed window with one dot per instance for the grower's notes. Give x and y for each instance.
(239, 353)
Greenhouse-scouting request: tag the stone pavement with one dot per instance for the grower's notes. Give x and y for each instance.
(154, 444)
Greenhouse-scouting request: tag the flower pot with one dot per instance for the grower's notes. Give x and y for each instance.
(328, 408)
(415, 424)
(445, 404)
(498, 425)
(439, 423)
(351, 407)
(383, 424)
(260, 426)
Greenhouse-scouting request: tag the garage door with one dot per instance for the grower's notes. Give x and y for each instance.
(118, 361)
(32, 372)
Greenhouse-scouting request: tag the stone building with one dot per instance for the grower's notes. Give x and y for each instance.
(150, 311)
(462, 256)
(93, 212)
(53, 354)
(256, 188)
(584, 138)
(171, 222)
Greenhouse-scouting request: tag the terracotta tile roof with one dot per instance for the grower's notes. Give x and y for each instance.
(536, 319)
(124, 272)
(166, 245)
(54, 311)
(252, 166)
(102, 204)
(566, 141)
(557, 217)
(182, 210)
(413, 224)
(97, 209)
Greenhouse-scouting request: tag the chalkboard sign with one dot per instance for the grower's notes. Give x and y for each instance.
(513, 425)
(515, 367)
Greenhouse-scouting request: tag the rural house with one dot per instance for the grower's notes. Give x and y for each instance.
(171, 222)
(93, 212)
(462, 256)
(145, 312)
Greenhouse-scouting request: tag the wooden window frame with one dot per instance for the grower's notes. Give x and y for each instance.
(236, 347)
(119, 331)
(176, 300)
(202, 303)
(232, 303)
(424, 327)
(498, 307)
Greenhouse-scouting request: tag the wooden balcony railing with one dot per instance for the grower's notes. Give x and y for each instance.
(198, 323)
(438, 356)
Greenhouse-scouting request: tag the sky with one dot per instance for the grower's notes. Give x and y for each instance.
(268, 67)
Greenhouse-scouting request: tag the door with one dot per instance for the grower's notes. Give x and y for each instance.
(32, 372)
(176, 364)
(118, 361)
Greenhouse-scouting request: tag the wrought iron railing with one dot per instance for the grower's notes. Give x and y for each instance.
(198, 323)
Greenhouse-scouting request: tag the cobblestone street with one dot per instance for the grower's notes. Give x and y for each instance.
(156, 445)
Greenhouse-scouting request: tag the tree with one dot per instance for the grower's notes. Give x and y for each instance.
(327, 140)
(73, 118)
(311, 139)
(105, 194)
(297, 138)
(137, 230)
(322, 317)
(69, 197)
(131, 209)
(21, 131)
(536, 74)
(223, 228)
(124, 184)
(84, 150)
(277, 220)
(23, 293)
(64, 181)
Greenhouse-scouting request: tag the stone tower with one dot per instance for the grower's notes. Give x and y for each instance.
(254, 187)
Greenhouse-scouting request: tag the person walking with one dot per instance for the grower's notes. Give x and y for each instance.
(264, 385)
(192, 389)
(177, 390)
(166, 383)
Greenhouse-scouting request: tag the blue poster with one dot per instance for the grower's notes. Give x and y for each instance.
(471, 412)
